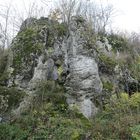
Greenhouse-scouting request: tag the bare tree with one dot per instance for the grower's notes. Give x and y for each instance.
(69, 8)
(97, 15)
(5, 16)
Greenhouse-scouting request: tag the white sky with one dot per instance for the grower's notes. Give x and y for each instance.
(127, 12)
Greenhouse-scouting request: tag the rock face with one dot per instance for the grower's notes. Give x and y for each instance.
(70, 57)
(83, 81)
(43, 51)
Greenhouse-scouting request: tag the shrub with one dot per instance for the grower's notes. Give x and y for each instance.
(136, 132)
(51, 91)
(8, 132)
(108, 86)
(9, 98)
(25, 44)
(3, 64)
(118, 42)
(120, 118)
(107, 64)
(124, 104)
(61, 29)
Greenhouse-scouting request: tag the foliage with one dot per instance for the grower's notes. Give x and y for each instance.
(25, 44)
(48, 123)
(61, 29)
(136, 132)
(9, 98)
(59, 126)
(80, 19)
(60, 70)
(32, 40)
(118, 42)
(50, 119)
(120, 118)
(134, 67)
(3, 63)
(12, 132)
(3, 73)
(124, 104)
(107, 64)
(107, 86)
(51, 91)
(4, 78)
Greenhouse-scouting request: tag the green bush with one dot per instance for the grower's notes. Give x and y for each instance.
(136, 132)
(51, 91)
(4, 78)
(107, 64)
(51, 118)
(61, 29)
(107, 86)
(3, 65)
(47, 122)
(25, 44)
(134, 67)
(124, 104)
(12, 132)
(9, 98)
(118, 42)
(120, 118)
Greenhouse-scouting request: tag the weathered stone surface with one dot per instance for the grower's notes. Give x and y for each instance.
(131, 85)
(84, 75)
(0, 119)
(46, 71)
(104, 47)
(71, 57)
(82, 78)
(1, 39)
(83, 81)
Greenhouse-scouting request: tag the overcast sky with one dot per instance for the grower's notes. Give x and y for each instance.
(127, 17)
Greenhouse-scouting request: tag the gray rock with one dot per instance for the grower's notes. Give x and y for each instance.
(55, 74)
(104, 47)
(2, 40)
(82, 78)
(83, 81)
(0, 119)
(27, 23)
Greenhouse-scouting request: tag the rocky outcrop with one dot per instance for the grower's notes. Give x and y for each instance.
(43, 50)
(82, 81)
(67, 60)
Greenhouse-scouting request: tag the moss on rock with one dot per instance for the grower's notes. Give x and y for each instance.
(26, 44)
(31, 42)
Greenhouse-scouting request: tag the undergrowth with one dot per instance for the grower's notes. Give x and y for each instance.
(50, 118)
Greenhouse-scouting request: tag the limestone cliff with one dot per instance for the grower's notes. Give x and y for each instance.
(86, 65)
